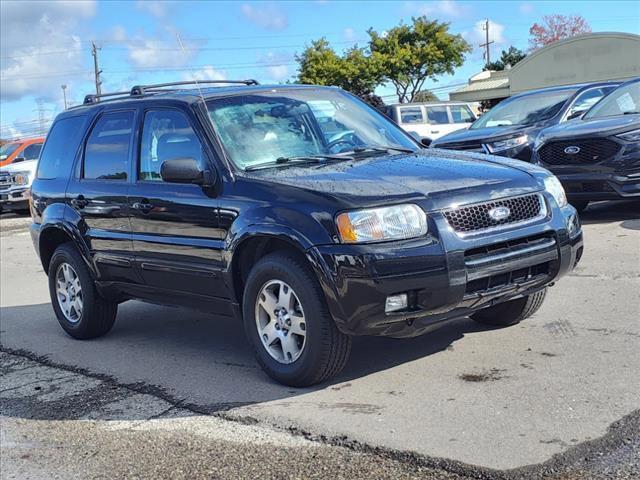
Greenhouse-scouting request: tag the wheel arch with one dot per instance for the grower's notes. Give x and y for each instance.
(53, 235)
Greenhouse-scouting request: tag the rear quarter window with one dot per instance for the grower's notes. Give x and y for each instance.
(60, 148)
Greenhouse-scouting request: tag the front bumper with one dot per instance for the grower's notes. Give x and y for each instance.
(445, 276)
(15, 198)
(601, 186)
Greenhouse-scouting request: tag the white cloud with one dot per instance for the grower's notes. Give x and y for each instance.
(118, 34)
(477, 36)
(438, 8)
(266, 15)
(153, 7)
(40, 49)
(526, 8)
(276, 65)
(208, 72)
(350, 35)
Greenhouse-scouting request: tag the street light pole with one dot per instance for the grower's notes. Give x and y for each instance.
(64, 95)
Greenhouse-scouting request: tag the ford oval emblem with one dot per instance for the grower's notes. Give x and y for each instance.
(572, 150)
(499, 213)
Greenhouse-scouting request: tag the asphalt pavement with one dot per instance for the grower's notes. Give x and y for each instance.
(553, 397)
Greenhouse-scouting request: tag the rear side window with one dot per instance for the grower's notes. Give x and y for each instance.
(461, 114)
(437, 115)
(32, 152)
(60, 149)
(411, 115)
(106, 156)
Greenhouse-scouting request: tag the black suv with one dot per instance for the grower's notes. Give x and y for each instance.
(597, 157)
(510, 128)
(298, 210)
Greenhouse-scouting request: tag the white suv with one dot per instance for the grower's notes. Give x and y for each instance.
(431, 120)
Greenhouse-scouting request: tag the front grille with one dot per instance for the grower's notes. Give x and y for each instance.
(476, 217)
(465, 147)
(590, 151)
(589, 187)
(5, 181)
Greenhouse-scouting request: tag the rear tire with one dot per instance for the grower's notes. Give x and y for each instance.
(511, 312)
(321, 351)
(80, 309)
(579, 205)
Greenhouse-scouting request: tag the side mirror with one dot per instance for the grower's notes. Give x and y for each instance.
(186, 170)
(19, 159)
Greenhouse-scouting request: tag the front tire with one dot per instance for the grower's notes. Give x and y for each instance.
(288, 324)
(511, 312)
(80, 309)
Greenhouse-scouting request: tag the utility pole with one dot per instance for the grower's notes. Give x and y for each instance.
(40, 103)
(96, 70)
(487, 51)
(64, 95)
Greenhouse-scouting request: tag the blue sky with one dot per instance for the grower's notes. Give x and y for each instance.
(46, 44)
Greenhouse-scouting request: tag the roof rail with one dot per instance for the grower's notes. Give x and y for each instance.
(141, 89)
(94, 98)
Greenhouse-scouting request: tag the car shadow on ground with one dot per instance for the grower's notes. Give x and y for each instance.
(626, 211)
(193, 358)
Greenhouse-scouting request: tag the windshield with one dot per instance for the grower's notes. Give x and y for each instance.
(7, 149)
(524, 110)
(623, 100)
(265, 127)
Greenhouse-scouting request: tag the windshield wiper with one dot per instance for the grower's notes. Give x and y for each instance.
(382, 149)
(299, 159)
(630, 112)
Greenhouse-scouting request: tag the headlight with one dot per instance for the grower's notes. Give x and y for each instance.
(21, 179)
(555, 188)
(507, 144)
(632, 136)
(381, 224)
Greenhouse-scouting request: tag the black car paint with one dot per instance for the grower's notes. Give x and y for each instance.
(621, 172)
(188, 247)
(470, 138)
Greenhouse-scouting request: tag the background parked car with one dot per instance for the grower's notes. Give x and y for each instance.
(598, 156)
(15, 182)
(431, 120)
(20, 150)
(510, 128)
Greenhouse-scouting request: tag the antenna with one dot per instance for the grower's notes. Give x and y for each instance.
(206, 107)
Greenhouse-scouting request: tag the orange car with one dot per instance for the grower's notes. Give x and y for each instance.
(20, 150)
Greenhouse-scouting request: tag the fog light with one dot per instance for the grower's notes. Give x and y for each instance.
(395, 303)
(573, 224)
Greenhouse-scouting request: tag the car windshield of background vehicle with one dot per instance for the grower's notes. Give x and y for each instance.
(461, 114)
(262, 128)
(7, 149)
(624, 100)
(525, 110)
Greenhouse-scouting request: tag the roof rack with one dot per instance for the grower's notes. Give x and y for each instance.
(94, 98)
(140, 90)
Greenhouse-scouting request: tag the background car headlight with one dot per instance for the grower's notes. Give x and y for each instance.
(632, 136)
(380, 224)
(507, 144)
(555, 188)
(21, 179)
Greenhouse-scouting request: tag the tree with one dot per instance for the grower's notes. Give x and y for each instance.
(508, 57)
(355, 71)
(425, 96)
(408, 55)
(556, 27)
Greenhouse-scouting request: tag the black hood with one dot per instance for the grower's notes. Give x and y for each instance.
(597, 127)
(436, 178)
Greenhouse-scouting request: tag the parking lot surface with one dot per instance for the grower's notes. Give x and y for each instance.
(563, 383)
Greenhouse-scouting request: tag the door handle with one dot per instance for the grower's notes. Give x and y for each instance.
(144, 206)
(79, 201)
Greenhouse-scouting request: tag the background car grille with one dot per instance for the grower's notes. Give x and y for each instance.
(5, 181)
(591, 151)
(476, 217)
(465, 147)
